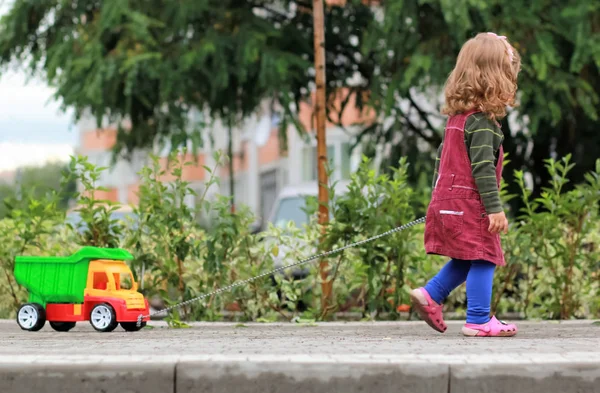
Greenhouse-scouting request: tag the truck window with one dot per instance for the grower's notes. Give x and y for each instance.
(100, 280)
(123, 281)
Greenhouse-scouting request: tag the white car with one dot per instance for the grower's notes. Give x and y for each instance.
(291, 201)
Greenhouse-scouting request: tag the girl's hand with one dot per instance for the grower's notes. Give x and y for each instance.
(498, 223)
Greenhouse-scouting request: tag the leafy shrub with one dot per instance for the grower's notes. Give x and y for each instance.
(552, 249)
(374, 204)
(29, 228)
(96, 227)
(165, 236)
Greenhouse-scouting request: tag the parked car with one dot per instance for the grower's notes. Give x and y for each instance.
(291, 202)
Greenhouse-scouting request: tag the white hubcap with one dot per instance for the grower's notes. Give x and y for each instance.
(101, 317)
(28, 317)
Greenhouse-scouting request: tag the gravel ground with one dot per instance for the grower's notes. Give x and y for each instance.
(376, 339)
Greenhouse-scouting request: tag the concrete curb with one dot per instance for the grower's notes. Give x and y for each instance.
(539, 378)
(95, 377)
(245, 377)
(281, 374)
(280, 358)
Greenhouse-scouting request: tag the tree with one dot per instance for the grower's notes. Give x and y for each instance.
(149, 62)
(45, 178)
(7, 192)
(415, 47)
(152, 61)
(36, 182)
(320, 110)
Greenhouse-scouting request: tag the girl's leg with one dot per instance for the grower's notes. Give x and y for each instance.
(453, 274)
(480, 281)
(427, 301)
(479, 296)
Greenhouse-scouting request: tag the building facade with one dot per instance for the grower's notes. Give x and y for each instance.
(261, 168)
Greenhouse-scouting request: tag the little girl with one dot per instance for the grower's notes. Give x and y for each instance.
(465, 216)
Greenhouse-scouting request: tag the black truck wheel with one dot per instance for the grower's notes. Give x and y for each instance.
(132, 326)
(31, 317)
(62, 326)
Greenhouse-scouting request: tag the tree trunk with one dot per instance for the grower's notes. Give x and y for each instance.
(319, 44)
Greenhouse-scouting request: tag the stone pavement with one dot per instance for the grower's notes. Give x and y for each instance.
(399, 357)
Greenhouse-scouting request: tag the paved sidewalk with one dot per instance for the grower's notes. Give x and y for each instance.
(403, 357)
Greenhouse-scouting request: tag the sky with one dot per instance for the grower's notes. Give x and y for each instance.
(33, 130)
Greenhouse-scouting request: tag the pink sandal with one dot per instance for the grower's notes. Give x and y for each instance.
(494, 328)
(428, 310)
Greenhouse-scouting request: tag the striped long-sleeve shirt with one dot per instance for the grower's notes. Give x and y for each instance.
(483, 139)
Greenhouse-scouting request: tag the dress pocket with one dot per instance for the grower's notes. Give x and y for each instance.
(452, 221)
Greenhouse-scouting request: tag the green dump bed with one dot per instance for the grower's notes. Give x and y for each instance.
(61, 279)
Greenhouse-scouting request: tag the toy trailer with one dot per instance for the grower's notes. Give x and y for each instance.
(93, 284)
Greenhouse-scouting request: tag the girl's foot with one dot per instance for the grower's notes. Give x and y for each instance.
(428, 310)
(494, 328)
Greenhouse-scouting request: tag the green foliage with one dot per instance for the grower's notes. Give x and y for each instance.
(415, 47)
(233, 253)
(552, 249)
(7, 192)
(47, 178)
(37, 181)
(372, 205)
(97, 226)
(27, 228)
(553, 254)
(165, 235)
(151, 63)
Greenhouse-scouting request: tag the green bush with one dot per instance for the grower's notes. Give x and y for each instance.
(97, 227)
(552, 249)
(165, 237)
(30, 228)
(376, 276)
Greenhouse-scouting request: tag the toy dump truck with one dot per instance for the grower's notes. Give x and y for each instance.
(93, 284)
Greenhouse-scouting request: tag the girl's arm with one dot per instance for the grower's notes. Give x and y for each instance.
(483, 139)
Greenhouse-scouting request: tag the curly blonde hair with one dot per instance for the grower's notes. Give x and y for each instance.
(484, 78)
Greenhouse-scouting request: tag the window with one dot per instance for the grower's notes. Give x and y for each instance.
(295, 209)
(291, 209)
(345, 166)
(100, 281)
(268, 192)
(309, 162)
(123, 281)
(103, 159)
(275, 119)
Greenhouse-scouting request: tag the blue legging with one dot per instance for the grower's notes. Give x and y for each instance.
(479, 276)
